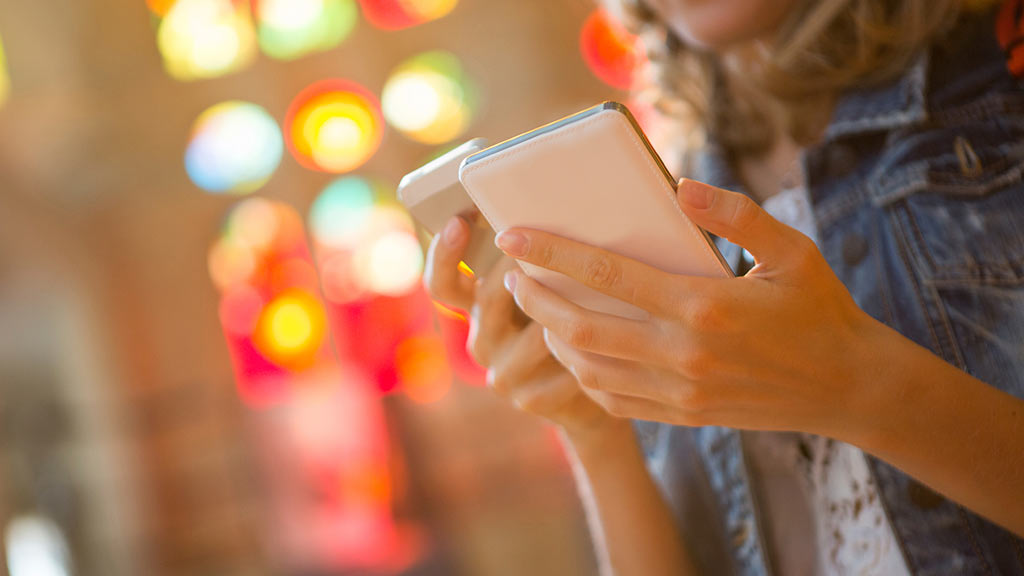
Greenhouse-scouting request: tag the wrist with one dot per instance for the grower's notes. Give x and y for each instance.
(596, 443)
(881, 361)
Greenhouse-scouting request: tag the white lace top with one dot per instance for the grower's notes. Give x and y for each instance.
(817, 490)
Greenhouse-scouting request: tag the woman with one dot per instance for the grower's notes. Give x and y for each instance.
(871, 353)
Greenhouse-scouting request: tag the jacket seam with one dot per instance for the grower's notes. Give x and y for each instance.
(914, 178)
(900, 541)
(950, 339)
(1018, 545)
(966, 521)
(885, 295)
(905, 249)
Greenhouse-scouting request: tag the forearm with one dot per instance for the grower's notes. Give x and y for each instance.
(950, 431)
(631, 524)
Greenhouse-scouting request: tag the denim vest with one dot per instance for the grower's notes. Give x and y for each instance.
(919, 200)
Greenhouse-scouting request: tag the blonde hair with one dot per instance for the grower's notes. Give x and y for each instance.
(822, 48)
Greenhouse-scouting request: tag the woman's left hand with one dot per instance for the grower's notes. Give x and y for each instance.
(783, 347)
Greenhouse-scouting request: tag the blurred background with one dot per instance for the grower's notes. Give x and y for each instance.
(216, 356)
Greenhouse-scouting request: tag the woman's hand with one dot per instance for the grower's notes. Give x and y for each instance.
(511, 346)
(779, 348)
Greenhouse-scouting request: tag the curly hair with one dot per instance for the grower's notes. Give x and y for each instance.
(822, 48)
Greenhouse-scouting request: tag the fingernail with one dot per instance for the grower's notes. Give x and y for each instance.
(453, 231)
(510, 281)
(696, 194)
(512, 243)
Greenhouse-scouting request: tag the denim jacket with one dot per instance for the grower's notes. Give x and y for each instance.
(919, 200)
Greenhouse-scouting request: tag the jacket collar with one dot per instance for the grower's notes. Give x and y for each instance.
(895, 104)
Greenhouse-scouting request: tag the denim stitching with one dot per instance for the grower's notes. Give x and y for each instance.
(947, 343)
(885, 189)
(928, 322)
(988, 107)
(966, 521)
(913, 107)
(905, 248)
(883, 284)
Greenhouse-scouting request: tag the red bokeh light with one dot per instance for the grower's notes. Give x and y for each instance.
(610, 51)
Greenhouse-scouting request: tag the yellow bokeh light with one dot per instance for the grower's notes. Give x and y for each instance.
(5, 81)
(206, 38)
(334, 127)
(428, 98)
(291, 326)
(428, 9)
(291, 329)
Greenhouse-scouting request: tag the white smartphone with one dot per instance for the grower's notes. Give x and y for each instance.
(433, 194)
(592, 177)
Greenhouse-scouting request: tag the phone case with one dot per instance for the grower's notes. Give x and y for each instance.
(591, 177)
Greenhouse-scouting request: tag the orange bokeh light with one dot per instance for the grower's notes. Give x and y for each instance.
(422, 365)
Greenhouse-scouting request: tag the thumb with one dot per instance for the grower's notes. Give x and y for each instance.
(734, 217)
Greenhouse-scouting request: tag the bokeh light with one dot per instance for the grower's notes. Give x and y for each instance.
(270, 309)
(160, 7)
(291, 329)
(5, 80)
(429, 98)
(392, 264)
(240, 309)
(36, 546)
(334, 126)
(611, 52)
(205, 38)
(423, 368)
(340, 215)
(230, 263)
(234, 147)
(398, 14)
(254, 223)
(289, 29)
(366, 243)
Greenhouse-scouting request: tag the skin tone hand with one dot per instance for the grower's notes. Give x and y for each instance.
(633, 529)
(761, 351)
(784, 347)
(519, 366)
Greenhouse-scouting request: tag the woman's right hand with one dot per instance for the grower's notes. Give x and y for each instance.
(507, 343)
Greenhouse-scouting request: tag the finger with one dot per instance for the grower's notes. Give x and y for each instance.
(524, 356)
(494, 315)
(546, 395)
(736, 218)
(642, 409)
(616, 376)
(441, 275)
(604, 271)
(582, 328)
